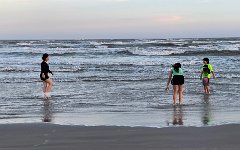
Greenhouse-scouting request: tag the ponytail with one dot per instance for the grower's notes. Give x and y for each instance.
(177, 66)
(44, 56)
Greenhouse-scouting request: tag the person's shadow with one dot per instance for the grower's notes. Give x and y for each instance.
(206, 113)
(47, 110)
(177, 115)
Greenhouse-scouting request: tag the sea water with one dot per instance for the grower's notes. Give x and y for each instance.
(119, 82)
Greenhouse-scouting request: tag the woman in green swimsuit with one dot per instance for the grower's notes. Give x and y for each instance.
(176, 76)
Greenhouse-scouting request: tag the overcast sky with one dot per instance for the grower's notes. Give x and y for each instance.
(81, 19)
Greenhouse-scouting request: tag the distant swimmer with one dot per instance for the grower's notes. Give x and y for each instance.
(205, 76)
(47, 82)
(176, 76)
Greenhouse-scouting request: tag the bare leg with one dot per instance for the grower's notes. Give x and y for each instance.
(175, 92)
(207, 90)
(50, 84)
(44, 86)
(180, 93)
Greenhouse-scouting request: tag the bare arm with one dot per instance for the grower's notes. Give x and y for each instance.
(201, 75)
(169, 79)
(214, 77)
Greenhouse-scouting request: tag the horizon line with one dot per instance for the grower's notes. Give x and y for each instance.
(27, 39)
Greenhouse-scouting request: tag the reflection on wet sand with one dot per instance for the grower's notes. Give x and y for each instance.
(177, 115)
(47, 110)
(206, 113)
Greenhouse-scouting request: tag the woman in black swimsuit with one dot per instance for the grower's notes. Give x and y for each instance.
(47, 82)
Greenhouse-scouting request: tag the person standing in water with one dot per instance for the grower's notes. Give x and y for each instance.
(176, 77)
(47, 82)
(205, 76)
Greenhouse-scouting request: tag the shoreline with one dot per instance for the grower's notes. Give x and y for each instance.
(61, 137)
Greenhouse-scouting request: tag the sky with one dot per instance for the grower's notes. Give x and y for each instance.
(116, 19)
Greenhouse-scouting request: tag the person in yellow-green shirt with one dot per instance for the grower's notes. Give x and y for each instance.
(205, 76)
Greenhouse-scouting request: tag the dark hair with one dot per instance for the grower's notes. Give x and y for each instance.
(44, 56)
(206, 59)
(177, 66)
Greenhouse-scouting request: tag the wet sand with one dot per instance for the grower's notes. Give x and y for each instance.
(57, 137)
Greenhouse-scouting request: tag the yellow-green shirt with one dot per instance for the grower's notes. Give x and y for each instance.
(205, 74)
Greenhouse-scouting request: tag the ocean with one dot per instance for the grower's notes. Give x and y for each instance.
(119, 82)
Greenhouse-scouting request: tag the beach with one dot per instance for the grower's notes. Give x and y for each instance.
(58, 137)
(110, 94)
(119, 75)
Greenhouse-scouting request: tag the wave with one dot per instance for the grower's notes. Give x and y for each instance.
(148, 52)
(208, 53)
(9, 69)
(116, 43)
(98, 80)
(40, 53)
(109, 46)
(139, 45)
(179, 52)
(118, 79)
(131, 52)
(136, 52)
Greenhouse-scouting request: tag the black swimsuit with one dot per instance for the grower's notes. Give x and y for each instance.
(45, 70)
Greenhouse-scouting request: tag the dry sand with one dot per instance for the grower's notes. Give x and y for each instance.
(56, 137)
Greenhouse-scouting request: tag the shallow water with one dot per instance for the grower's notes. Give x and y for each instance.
(119, 82)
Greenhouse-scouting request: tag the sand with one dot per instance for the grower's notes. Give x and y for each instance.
(57, 137)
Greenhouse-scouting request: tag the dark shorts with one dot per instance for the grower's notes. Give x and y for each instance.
(205, 81)
(46, 77)
(177, 80)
